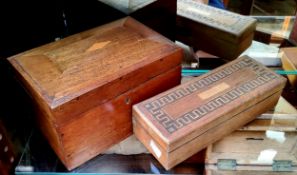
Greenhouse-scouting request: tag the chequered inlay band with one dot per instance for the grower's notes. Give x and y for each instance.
(211, 19)
(155, 107)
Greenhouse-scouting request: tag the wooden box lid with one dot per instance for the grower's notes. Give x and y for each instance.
(64, 70)
(236, 27)
(181, 114)
(260, 145)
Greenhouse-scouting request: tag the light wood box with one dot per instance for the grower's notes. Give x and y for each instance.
(84, 86)
(182, 121)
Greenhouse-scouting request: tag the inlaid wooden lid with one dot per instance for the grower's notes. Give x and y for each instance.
(66, 69)
(181, 114)
(233, 24)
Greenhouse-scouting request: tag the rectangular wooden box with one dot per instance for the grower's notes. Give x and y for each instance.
(157, 14)
(267, 145)
(218, 32)
(289, 63)
(181, 121)
(84, 86)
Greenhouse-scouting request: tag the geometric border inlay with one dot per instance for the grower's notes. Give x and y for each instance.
(172, 125)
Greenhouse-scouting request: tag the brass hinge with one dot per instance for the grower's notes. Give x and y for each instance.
(282, 165)
(226, 164)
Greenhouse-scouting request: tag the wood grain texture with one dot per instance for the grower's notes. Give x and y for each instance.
(81, 82)
(289, 62)
(227, 37)
(187, 130)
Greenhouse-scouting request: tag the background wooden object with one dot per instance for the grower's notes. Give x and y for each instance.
(178, 123)
(84, 86)
(255, 147)
(227, 37)
(289, 62)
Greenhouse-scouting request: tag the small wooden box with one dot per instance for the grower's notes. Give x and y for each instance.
(289, 63)
(84, 86)
(267, 145)
(218, 32)
(181, 121)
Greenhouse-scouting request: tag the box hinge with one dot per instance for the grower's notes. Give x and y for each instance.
(282, 165)
(226, 164)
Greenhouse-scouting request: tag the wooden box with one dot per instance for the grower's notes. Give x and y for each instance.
(289, 62)
(267, 145)
(218, 32)
(181, 121)
(84, 86)
(157, 14)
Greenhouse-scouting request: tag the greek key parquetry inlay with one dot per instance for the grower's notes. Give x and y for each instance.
(172, 125)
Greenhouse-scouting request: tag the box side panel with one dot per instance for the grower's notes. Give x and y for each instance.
(288, 65)
(44, 117)
(220, 130)
(148, 141)
(109, 123)
(159, 16)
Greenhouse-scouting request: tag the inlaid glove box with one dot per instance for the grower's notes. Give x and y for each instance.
(84, 86)
(218, 32)
(177, 123)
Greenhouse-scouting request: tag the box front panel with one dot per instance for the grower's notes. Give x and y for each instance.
(171, 158)
(109, 123)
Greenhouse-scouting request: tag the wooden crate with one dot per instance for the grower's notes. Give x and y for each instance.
(289, 62)
(181, 121)
(218, 32)
(267, 145)
(84, 86)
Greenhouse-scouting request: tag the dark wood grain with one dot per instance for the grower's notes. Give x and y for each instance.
(83, 86)
(185, 119)
(227, 37)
